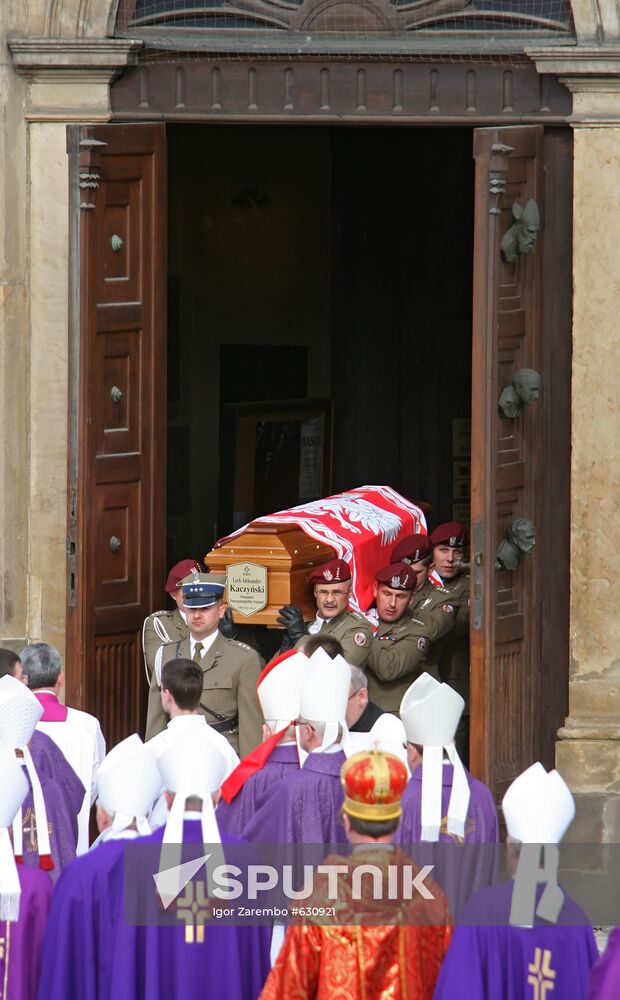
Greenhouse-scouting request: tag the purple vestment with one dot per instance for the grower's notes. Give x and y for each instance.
(481, 826)
(91, 953)
(605, 976)
(232, 818)
(304, 807)
(63, 794)
(459, 870)
(516, 963)
(20, 942)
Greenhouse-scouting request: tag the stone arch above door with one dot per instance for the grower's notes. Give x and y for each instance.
(595, 21)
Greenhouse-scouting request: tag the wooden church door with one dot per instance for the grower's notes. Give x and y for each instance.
(116, 521)
(506, 458)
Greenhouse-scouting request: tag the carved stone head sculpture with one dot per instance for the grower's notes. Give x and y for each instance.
(522, 235)
(520, 538)
(524, 391)
(522, 532)
(526, 383)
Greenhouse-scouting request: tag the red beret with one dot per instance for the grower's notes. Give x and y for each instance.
(412, 549)
(452, 533)
(178, 573)
(398, 576)
(334, 571)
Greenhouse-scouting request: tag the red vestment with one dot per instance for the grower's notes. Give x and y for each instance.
(364, 961)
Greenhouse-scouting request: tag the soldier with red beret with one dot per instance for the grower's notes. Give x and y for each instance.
(448, 550)
(332, 586)
(417, 551)
(168, 626)
(400, 647)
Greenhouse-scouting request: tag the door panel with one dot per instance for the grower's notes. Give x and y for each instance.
(506, 461)
(117, 531)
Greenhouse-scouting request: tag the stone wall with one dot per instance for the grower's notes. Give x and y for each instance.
(45, 83)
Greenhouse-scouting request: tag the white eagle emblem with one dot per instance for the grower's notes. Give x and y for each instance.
(351, 509)
(395, 582)
(328, 575)
(453, 540)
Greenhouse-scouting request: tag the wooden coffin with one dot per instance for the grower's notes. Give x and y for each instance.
(286, 553)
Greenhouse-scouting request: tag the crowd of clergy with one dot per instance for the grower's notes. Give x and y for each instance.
(391, 791)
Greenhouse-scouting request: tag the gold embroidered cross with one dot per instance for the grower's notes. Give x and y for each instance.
(192, 908)
(541, 975)
(29, 827)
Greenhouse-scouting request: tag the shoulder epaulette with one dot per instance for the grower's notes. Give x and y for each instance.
(241, 645)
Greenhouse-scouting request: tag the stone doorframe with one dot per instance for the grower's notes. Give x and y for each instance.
(66, 74)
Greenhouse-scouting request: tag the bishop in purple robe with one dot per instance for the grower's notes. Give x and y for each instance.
(605, 976)
(233, 817)
(20, 941)
(481, 824)
(487, 959)
(63, 794)
(303, 808)
(90, 951)
(461, 871)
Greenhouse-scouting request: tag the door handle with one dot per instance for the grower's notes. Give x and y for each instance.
(115, 544)
(478, 575)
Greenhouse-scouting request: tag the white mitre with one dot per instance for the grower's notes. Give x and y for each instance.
(192, 767)
(325, 693)
(128, 783)
(430, 713)
(387, 734)
(279, 689)
(538, 806)
(13, 791)
(19, 713)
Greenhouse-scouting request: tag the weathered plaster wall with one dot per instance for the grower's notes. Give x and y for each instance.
(589, 753)
(56, 83)
(14, 350)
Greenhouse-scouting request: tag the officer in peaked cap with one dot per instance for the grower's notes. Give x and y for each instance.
(401, 645)
(452, 655)
(168, 626)
(230, 669)
(332, 586)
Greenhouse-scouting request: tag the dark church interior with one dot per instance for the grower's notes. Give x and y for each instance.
(319, 320)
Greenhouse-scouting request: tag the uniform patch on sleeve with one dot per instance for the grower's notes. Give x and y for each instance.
(448, 608)
(360, 639)
(423, 643)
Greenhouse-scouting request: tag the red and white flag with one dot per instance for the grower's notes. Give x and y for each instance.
(362, 526)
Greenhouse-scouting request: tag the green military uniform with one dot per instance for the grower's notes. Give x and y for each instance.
(453, 656)
(397, 656)
(439, 605)
(354, 633)
(159, 628)
(458, 588)
(229, 701)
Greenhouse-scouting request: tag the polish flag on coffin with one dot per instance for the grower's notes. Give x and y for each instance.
(362, 525)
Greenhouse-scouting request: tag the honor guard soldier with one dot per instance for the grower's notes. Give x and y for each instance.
(332, 586)
(434, 600)
(399, 649)
(230, 669)
(448, 550)
(168, 626)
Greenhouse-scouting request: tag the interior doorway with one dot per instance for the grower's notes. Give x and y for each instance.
(400, 286)
(327, 270)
